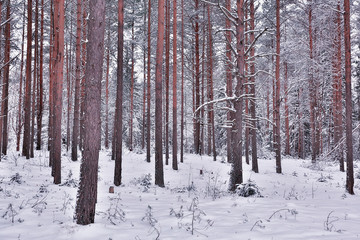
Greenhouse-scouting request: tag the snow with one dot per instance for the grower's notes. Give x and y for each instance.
(294, 205)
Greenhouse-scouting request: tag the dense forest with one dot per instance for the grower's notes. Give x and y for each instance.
(237, 80)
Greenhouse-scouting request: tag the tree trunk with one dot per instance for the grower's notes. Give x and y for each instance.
(159, 171)
(174, 150)
(236, 175)
(228, 67)
(144, 84)
(51, 78)
(301, 126)
(132, 82)
(148, 114)
(182, 85)
(246, 86)
(337, 92)
(76, 122)
(19, 119)
(253, 129)
(27, 101)
(197, 82)
(83, 79)
(211, 122)
(312, 91)
(167, 78)
(87, 196)
(119, 97)
(107, 90)
(68, 92)
(5, 95)
(58, 85)
(41, 85)
(287, 131)
(277, 93)
(348, 103)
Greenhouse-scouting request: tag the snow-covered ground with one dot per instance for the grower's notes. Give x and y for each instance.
(305, 202)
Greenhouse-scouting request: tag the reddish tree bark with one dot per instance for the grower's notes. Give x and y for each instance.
(159, 171)
(119, 97)
(85, 207)
(59, 18)
(174, 142)
(277, 93)
(197, 82)
(236, 175)
(348, 103)
(167, 78)
(5, 93)
(148, 115)
(253, 129)
(27, 101)
(228, 67)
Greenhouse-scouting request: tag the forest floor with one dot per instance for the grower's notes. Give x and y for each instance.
(305, 202)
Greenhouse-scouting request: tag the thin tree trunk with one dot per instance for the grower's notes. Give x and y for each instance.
(27, 101)
(197, 82)
(144, 84)
(20, 119)
(51, 78)
(301, 126)
(253, 129)
(337, 94)
(312, 90)
(277, 93)
(167, 78)
(211, 122)
(119, 97)
(348, 103)
(203, 86)
(132, 82)
(41, 85)
(148, 119)
(287, 131)
(69, 87)
(76, 122)
(159, 171)
(87, 197)
(182, 85)
(230, 115)
(83, 80)
(5, 95)
(246, 86)
(174, 150)
(107, 90)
